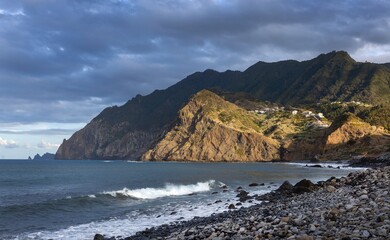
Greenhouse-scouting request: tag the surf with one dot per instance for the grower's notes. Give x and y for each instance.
(167, 191)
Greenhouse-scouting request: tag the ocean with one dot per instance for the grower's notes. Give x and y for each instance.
(77, 199)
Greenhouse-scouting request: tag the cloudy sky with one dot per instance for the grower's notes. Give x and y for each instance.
(63, 61)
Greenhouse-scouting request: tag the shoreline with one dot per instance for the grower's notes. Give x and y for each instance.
(352, 207)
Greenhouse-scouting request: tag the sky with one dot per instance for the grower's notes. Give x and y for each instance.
(63, 61)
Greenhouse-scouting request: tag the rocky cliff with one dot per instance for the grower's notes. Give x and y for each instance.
(348, 136)
(209, 128)
(128, 131)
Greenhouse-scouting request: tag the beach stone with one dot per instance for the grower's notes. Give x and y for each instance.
(304, 237)
(285, 219)
(363, 197)
(380, 218)
(253, 185)
(285, 187)
(304, 186)
(366, 234)
(98, 237)
(349, 206)
(330, 189)
(312, 228)
(231, 206)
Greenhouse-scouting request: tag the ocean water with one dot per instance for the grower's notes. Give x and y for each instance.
(77, 199)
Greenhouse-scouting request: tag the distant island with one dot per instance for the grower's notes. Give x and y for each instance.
(46, 156)
(327, 108)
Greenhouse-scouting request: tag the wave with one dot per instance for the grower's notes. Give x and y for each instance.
(326, 165)
(168, 190)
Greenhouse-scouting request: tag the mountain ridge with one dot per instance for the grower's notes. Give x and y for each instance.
(127, 131)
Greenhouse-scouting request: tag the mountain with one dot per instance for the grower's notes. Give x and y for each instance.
(209, 128)
(128, 131)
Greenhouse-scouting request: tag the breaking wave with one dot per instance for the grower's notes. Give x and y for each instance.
(168, 190)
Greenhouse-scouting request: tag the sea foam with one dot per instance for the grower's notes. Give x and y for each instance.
(168, 190)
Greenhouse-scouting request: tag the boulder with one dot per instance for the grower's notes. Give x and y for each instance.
(285, 187)
(304, 186)
(98, 237)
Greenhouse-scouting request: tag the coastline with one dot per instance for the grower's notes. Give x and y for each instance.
(352, 207)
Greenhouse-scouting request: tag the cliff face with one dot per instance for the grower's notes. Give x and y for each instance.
(211, 129)
(99, 140)
(347, 136)
(126, 132)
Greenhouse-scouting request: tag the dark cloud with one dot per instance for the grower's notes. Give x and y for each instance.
(64, 61)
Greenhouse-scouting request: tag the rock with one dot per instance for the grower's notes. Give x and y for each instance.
(98, 237)
(330, 188)
(312, 228)
(285, 187)
(253, 185)
(363, 197)
(366, 234)
(315, 166)
(285, 219)
(243, 196)
(380, 218)
(304, 186)
(304, 237)
(231, 206)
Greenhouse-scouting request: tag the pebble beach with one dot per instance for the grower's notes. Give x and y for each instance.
(353, 207)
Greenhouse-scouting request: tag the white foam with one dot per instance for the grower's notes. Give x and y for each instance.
(168, 190)
(138, 221)
(330, 165)
(135, 221)
(91, 196)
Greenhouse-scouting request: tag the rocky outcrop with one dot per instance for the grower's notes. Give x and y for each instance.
(211, 129)
(348, 136)
(45, 156)
(99, 140)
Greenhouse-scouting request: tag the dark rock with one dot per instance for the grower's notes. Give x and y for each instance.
(242, 193)
(243, 196)
(304, 186)
(214, 192)
(46, 156)
(315, 166)
(231, 206)
(253, 185)
(285, 187)
(224, 187)
(98, 237)
(218, 201)
(173, 213)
